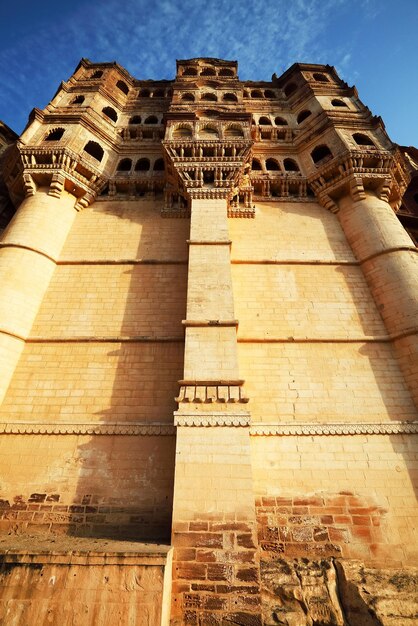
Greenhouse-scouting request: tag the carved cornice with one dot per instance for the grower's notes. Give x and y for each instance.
(370, 428)
(357, 170)
(212, 419)
(67, 428)
(54, 166)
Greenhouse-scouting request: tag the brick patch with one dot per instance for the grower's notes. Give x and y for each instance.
(318, 526)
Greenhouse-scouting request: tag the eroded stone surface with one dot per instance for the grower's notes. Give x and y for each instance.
(334, 592)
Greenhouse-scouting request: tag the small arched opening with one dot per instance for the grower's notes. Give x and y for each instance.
(123, 87)
(268, 93)
(78, 100)
(110, 113)
(151, 119)
(145, 93)
(209, 97)
(290, 165)
(124, 165)
(363, 140)
(256, 93)
(97, 74)
(188, 97)
(256, 165)
(264, 121)
(159, 165)
(190, 71)
(208, 71)
(158, 93)
(226, 72)
(94, 149)
(229, 97)
(55, 134)
(320, 153)
(289, 89)
(303, 115)
(135, 119)
(320, 78)
(142, 165)
(280, 121)
(336, 102)
(272, 165)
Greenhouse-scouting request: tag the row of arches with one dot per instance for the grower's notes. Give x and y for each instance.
(150, 119)
(273, 165)
(259, 93)
(120, 84)
(226, 72)
(208, 131)
(156, 93)
(142, 165)
(209, 96)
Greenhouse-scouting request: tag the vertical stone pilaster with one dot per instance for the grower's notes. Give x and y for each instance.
(389, 261)
(215, 573)
(29, 249)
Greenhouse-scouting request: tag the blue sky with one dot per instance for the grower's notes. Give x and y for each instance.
(372, 43)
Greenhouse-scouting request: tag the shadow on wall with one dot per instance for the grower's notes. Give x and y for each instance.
(125, 484)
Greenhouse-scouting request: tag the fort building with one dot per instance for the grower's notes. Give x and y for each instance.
(208, 354)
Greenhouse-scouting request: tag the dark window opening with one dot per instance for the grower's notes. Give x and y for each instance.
(289, 89)
(135, 119)
(264, 121)
(94, 149)
(189, 97)
(159, 165)
(230, 97)
(123, 87)
(55, 134)
(256, 165)
(320, 153)
(209, 97)
(142, 165)
(256, 93)
(338, 103)
(125, 165)
(226, 72)
(78, 100)
(208, 71)
(290, 165)
(268, 93)
(110, 113)
(279, 121)
(97, 74)
(145, 93)
(272, 165)
(303, 115)
(151, 119)
(321, 78)
(363, 140)
(190, 71)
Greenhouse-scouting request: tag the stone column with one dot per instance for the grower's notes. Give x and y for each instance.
(389, 261)
(29, 249)
(214, 535)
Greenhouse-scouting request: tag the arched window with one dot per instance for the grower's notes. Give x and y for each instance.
(94, 149)
(111, 113)
(256, 93)
(320, 153)
(183, 132)
(151, 119)
(272, 165)
(159, 165)
(264, 121)
(123, 87)
(145, 93)
(233, 131)
(321, 78)
(208, 71)
(124, 165)
(363, 140)
(210, 97)
(229, 97)
(142, 165)
(338, 103)
(416, 197)
(290, 165)
(209, 132)
(188, 97)
(268, 93)
(280, 121)
(289, 89)
(135, 119)
(158, 93)
(303, 115)
(54, 135)
(78, 100)
(256, 165)
(226, 72)
(246, 94)
(190, 71)
(97, 74)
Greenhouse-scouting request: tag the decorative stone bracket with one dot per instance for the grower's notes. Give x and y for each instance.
(58, 168)
(355, 171)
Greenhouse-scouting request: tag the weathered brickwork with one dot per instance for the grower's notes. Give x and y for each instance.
(208, 338)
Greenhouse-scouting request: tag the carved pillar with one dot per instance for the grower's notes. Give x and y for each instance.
(29, 249)
(214, 573)
(389, 261)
